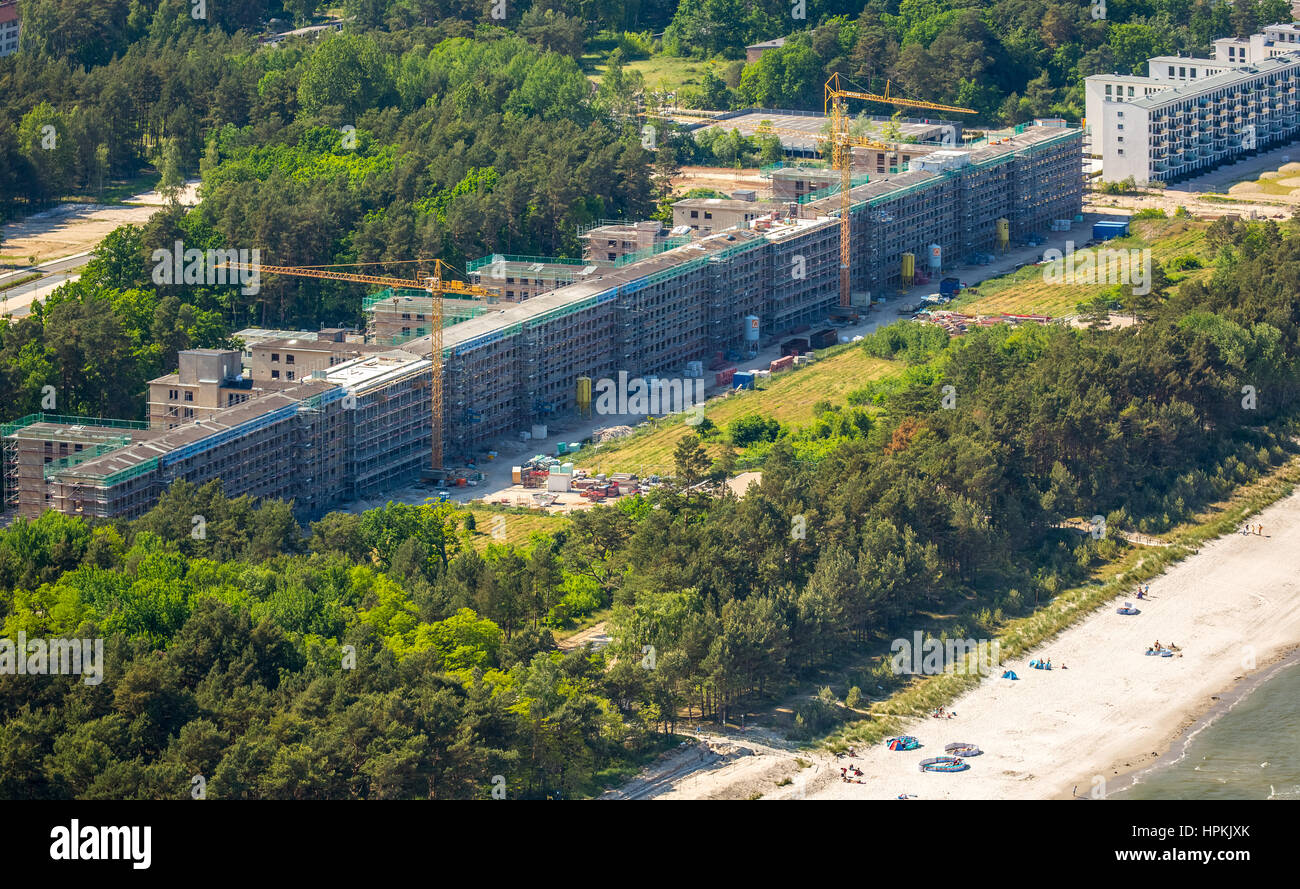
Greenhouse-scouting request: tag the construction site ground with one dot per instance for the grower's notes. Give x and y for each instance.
(721, 179)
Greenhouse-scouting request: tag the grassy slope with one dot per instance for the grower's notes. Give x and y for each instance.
(661, 72)
(518, 525)
(1026, 292)
(789, 399)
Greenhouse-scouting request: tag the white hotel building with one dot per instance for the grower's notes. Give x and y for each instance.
(1189, 115)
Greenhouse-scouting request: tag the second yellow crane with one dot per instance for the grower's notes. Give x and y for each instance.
(842, 144)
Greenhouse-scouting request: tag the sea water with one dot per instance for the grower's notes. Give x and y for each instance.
(1251, 751)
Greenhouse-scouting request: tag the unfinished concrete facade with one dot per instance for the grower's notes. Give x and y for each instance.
(292, 360)
(206, 381)
(1029, 178)
(363, 425)
(708, 215)
(612, 240)
(522, 277)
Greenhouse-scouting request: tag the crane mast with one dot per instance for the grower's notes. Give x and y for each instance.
(842, 143)
(436, 285)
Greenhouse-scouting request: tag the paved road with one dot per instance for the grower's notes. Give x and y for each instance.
(78, 227)
(17, 301)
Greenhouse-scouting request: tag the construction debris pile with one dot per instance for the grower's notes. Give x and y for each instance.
(957, 324)
(610, 433)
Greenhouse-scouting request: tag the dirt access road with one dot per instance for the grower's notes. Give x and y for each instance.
(56, 242)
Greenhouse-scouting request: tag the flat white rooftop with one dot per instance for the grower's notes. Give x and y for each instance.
(1192, 88)
(369, 371)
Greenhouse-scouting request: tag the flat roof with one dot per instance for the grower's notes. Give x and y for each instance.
(788, 228)
(240, 382)
(313, 345)
(533, 267)
(1194, 60)
(88, 431)
(643, 227)
(1190, 89)
(726, 204)
(369, 371)
(808, 172)
(267, 334)
(170, 440)
(1127, 78)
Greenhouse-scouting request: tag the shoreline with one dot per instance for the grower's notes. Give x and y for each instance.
(1112, 717)
(1225, 702)
(1115, 713)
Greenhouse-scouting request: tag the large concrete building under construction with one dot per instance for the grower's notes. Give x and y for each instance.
(359, 421)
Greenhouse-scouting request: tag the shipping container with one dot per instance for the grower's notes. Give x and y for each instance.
(796, 346)
(824, 338)
(742, 379)
(1102, 231)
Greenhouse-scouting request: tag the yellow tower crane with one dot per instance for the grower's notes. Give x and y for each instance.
(842, 145)
(842, 153)
(436, 285)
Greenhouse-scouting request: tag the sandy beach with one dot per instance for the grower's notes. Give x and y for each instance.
(1233, 608)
